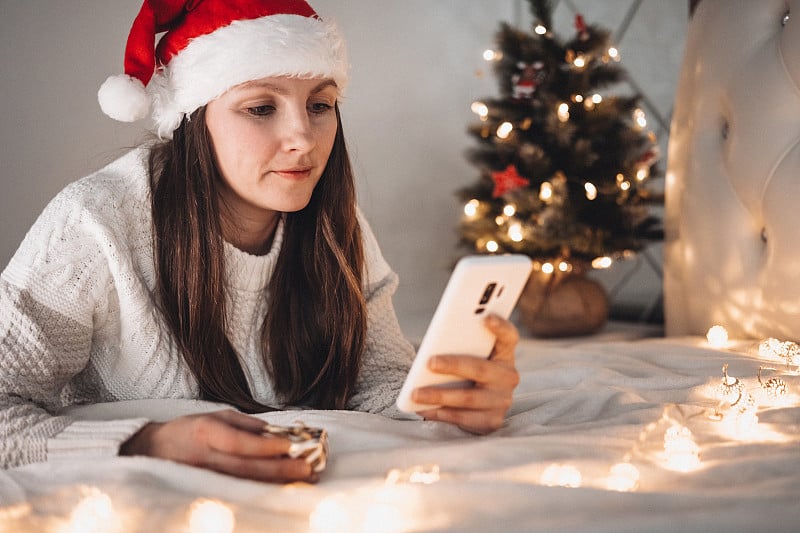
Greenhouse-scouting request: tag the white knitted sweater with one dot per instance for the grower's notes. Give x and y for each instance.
(78, 323)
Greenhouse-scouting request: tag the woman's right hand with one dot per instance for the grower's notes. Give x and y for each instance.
(225, 441)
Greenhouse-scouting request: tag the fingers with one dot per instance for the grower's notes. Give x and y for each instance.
(476, 398)
(507, 338)
(498, 374)
(273, 470)
(480, 422)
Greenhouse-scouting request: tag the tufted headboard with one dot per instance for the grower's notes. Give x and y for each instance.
(732, 218)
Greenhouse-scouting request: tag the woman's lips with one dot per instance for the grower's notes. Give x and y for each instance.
(294, 173)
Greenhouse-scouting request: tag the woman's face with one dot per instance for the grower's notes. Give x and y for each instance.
(272, 138)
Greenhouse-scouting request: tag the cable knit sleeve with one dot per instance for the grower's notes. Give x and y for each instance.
(388, 353)
(48, 297)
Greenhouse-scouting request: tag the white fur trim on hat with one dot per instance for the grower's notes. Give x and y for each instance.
(245, 50)
(123, 98)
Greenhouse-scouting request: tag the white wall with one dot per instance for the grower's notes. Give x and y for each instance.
(415, 73)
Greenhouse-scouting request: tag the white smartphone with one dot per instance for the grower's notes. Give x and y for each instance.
(479, 285)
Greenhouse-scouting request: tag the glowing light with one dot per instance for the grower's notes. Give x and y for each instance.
(681, 452)
(480, 109)
(579, 98)
(639, 118)
(642, 173)
(492, 55)
(602, 262)
(546, 192)
(492, 246)
(210, 516)
(548, 268)
(717, 336)
(560, 475)
(330, 516)
(382, 518)
(730, 390)
(579, 61)
(624, 477)
(588, 104)
(509, 210)
(563, 266)
(613, 53)
(94, 514)
(504, 130)
(563, 112)
(625, 185)
(596, 98)
(515, 232)
(540, 30)
(591, 190)
(499, 220)
(471, 208)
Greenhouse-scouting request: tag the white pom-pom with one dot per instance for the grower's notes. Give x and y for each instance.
(123, 98)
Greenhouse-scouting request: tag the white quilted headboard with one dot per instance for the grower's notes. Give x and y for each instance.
(732, 251)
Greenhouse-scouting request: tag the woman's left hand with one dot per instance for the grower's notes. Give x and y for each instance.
(482, 407)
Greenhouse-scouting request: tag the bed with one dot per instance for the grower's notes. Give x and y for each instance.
(624, 430)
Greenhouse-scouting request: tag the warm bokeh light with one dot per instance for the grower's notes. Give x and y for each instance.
(717, 336)
(210, 516)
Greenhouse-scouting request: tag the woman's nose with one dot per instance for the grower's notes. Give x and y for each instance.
(298, 133)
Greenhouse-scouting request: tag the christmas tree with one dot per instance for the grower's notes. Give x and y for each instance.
(566, 167)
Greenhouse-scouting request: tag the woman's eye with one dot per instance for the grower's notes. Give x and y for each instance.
(260, 110)
(320, 107)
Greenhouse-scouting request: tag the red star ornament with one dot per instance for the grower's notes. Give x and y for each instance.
(507, 180)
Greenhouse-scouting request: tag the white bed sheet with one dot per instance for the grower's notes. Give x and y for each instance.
(583, 404)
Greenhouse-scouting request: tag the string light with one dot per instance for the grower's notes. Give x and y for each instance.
(515, 232)
(546, 192)
(560, 475)
(499, 220)
(504, 130)
(580, 61)
(681, 452)
(591, 190)
(563, 112)
(94, 514)
(509, 210)
(492, 246)
(210, 516)
(596, 98)
(563, 266)
(480, 109)
(540, 30)
(623, 477)
(578, 98)
(613, 53)
(775, 387)
(717, 336)
(471, 208)
(731, 389)
(639, 118)
(492, 55)
(643, 173)
(602, 262)
(547, 268)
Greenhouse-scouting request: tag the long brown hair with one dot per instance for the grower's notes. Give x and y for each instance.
(314, 333)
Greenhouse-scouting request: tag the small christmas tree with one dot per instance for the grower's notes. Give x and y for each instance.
(565, 166)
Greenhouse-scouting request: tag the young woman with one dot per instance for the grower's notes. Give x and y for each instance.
(225, 262)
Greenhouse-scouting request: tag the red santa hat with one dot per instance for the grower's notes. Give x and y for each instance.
(209, 46)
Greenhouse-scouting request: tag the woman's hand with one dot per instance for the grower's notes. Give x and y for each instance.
(225, 441)
(482, 408)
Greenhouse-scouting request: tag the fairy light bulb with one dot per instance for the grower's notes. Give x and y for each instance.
(539, 29)
(681, 452)
(563, 112)
(579, 61)
(330, 516)
(504, 130)
(559, 475)
(613, 53)
(546, 192)
(210, 516)
(471, 208)
(499, 220)
(623, 477)
(515, 232)
(492, 246)
(578, 98)
(602, 262)
(591, 191)
(625, 185)
(730, 389)
(563, 266)
(94, 514)
(509, 210)
(480, 109)
(639, 118)
(596, 98)
(492, 55)
(642, 174)
(717, 337)
(548, 268)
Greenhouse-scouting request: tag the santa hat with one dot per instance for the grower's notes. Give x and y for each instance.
(208, 47)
